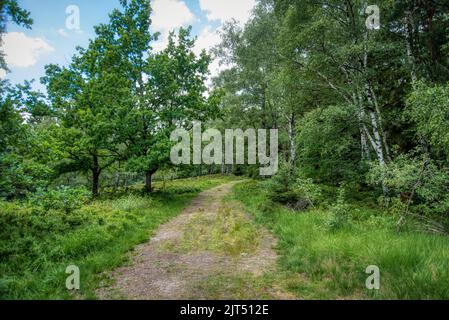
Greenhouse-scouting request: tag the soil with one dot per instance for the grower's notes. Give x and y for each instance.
(165, 268)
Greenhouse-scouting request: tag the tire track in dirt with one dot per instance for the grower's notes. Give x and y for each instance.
(212, 250)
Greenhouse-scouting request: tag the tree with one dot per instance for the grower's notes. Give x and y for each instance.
(332, 44)
(252, 54)
(96, 96)
(24, 166)
(89, 99)
(118, 101)
(428, 109)
(9, 9)
(294, 57)
(15, 176)
(257, 87)
(173, 96)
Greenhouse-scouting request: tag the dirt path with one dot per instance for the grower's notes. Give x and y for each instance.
(212, 250)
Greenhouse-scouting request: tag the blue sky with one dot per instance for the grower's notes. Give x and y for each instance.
(50, 40)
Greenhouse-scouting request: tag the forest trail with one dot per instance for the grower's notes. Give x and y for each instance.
(212, 250)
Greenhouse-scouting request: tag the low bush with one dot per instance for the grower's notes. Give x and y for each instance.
(62, 198)
(340, 214)
(131, 203)
(415, 185)
(40, 237)
(317, 263)
(287, 187)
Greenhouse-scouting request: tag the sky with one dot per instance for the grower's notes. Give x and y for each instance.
(62, 25)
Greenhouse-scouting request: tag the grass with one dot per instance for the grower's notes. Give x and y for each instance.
(243, 286)
(318, 262)
(228, 232)
(233, 263)
(36, 248)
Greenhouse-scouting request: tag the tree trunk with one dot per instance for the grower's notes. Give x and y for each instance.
(377, 141)
(95, 183)
(364, 144)
(96, 171)
(125, 182)
(148, 186)
(409, 44)
(117, 181)
(292, 138)
(148, 181)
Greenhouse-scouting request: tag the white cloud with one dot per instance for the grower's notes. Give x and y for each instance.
(225, 10)
(63, 33)
(215, 68)
(169, 15)
(161, 43)
(22, 51)
(67, 33)
(2, 74)
(207, 39)
(222, 11)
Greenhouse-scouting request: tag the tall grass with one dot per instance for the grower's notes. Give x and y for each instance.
(229, 232)
(323, 263)
(36, 246)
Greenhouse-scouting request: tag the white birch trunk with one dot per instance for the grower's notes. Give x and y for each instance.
(377, 141)
(292, 137)
(408, 44)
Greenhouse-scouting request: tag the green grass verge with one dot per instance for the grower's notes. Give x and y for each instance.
(321, 263)
(36, 248)
(229, 232)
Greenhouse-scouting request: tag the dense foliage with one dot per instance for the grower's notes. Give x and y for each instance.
(40, 238)
(354, 105)
(111, 109)
(362, 114)
(324, 252)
